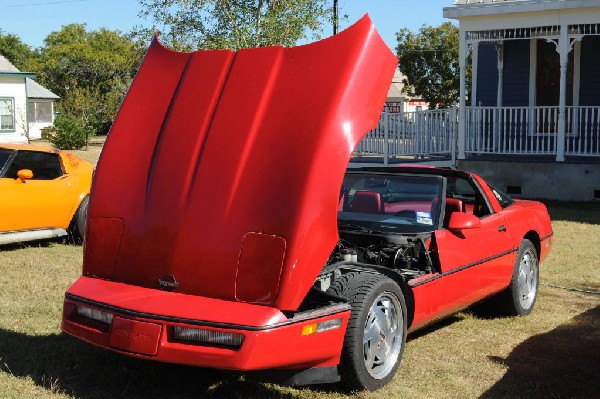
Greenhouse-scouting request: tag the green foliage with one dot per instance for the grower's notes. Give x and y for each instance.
(14, 50)
(69, 133)
(90, 71)
(429, 60)
(235, 24)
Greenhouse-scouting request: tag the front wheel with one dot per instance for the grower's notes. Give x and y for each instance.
(376, 332)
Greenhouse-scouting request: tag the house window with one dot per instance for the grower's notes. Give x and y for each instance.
(7, 114)
(39, 112)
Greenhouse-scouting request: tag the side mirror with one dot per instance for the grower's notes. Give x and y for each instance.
(463, 221)
(24, 174)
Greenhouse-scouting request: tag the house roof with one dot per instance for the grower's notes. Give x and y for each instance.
(7, 69)
(6, 66)
(36, 90)
(395, 91)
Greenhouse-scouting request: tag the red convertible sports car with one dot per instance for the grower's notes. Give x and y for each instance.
(233, 237)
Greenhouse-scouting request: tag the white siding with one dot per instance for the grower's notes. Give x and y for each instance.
(15, 88)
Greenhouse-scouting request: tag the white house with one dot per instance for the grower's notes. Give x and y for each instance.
(531, 122)
(25, 106)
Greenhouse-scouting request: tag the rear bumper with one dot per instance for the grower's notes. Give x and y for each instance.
(143, 322)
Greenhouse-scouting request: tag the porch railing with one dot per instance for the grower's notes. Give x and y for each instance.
(531, 130)
(584, 137)
(432, 134)
(421, 134)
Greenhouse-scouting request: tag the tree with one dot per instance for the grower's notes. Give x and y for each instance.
(429, 60)
(14, 50)
(90, 71)
(235, 24)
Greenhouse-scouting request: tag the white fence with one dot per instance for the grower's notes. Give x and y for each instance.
(432, 134)
(583, 131)
(531, 130)
(421, 134)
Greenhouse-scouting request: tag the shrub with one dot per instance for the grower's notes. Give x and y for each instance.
(68, 134)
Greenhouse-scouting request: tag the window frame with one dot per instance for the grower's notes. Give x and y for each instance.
(376, 222)
(33, 109)
(14, 121)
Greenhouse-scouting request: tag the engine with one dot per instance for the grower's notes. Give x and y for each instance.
(410, 256)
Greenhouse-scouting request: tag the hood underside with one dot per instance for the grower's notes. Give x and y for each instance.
(221, 174)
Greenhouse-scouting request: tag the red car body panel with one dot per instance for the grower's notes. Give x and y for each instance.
(264, 328)
(232, 147)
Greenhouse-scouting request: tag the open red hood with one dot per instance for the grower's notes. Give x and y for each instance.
(221, 174)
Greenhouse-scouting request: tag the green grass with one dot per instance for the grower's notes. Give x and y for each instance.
(553, 353)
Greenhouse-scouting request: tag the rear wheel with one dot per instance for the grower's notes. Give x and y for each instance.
(376, 332)
(521, 294)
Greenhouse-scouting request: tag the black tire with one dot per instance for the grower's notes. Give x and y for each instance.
(78, 222)
(341, 284)
(520, 296)
(371, 355)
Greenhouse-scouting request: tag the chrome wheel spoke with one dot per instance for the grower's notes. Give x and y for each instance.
(527, 279)
(382, 339)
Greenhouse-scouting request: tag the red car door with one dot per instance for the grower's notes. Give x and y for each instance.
(474, 262)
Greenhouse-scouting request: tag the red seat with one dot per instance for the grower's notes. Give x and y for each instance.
(367, 202)
(452, 205)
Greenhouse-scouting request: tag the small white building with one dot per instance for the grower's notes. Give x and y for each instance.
(25, 106)
(397, 101)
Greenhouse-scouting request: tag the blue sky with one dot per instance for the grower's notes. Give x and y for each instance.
(32, 20)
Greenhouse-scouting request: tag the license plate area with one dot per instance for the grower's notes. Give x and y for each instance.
(135, 336)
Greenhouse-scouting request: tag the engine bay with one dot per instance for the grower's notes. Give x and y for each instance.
(410, 256)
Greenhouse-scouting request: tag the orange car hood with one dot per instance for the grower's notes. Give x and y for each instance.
(221, 174)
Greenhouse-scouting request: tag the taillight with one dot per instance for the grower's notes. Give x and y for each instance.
(95, 314)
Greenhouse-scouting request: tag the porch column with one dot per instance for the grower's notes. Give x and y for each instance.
(474, 70)
(564, 47)
(462, 116)
(500, 49)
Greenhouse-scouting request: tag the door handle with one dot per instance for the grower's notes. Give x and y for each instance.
(501, 228)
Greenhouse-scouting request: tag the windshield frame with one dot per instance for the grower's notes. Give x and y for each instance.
(8, 161)
(348, 220)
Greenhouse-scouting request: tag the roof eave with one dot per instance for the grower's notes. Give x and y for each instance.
(18, 75)
(510, 7)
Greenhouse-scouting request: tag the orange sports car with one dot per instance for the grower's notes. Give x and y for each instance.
(43, 193)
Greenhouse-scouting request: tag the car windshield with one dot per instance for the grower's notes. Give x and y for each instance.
(399, 203)
(4, 157)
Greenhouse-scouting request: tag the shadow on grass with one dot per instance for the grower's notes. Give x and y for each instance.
(60, 363)
(439, 324)
(27, 244)
(69, 239)
(574, 211)
(562, 363)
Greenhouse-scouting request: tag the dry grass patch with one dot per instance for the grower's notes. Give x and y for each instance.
(553, 352)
